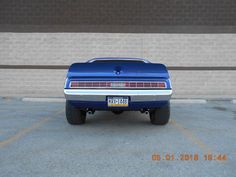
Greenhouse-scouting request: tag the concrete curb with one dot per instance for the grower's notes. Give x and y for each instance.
(234, 101)
(62, 100)
(54, 100)
(189, 101)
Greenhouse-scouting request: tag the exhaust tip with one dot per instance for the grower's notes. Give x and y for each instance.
(146, 111)
(90, 111)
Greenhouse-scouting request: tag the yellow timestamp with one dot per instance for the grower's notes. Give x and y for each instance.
(189, 157)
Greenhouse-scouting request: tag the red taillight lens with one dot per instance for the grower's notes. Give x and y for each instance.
(161, 84)
(74, 84)
(117, 84)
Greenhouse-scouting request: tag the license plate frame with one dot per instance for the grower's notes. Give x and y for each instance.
(117, 101)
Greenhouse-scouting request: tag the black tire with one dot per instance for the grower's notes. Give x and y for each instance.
(117, 111)
(161, 115)
(74, 115)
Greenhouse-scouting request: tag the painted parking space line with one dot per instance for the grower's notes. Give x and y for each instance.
(191, 137)
(25, 131)
(195, 140)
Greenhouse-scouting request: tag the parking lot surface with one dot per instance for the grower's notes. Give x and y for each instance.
(36, 140)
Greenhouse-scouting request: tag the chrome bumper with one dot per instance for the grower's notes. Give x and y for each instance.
(101, 94)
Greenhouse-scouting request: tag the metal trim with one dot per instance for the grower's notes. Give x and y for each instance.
(101, 94)
(125, 59)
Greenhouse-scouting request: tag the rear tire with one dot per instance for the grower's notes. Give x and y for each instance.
(74, 115)
(161, 115)
(117, 111)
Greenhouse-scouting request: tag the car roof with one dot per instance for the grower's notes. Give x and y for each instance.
(118, 58)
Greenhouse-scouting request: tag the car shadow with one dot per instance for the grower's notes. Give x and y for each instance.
(125, 118)
(108, 122)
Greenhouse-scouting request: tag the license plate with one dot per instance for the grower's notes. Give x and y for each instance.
(117, 101)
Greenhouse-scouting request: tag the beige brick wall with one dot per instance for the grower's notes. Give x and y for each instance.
(66, 48)
(186, 84)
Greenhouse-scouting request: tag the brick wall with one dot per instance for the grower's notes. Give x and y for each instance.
(178, 33)
(65, 48)
(186, 84)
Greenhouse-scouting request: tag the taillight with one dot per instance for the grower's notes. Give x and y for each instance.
(118, 84)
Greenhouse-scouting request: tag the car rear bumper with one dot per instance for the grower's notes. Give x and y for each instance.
(100, 95)
(102, 105)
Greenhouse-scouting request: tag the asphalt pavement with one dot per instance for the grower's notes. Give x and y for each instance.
(36, 140)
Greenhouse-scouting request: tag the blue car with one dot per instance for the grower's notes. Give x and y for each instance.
(117, 85)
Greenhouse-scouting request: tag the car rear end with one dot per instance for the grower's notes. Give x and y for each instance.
(118, 85)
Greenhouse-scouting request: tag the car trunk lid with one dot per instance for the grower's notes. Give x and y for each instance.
(118, 70)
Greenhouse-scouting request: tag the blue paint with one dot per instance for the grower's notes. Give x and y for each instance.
(132, 105)
(118, 71)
